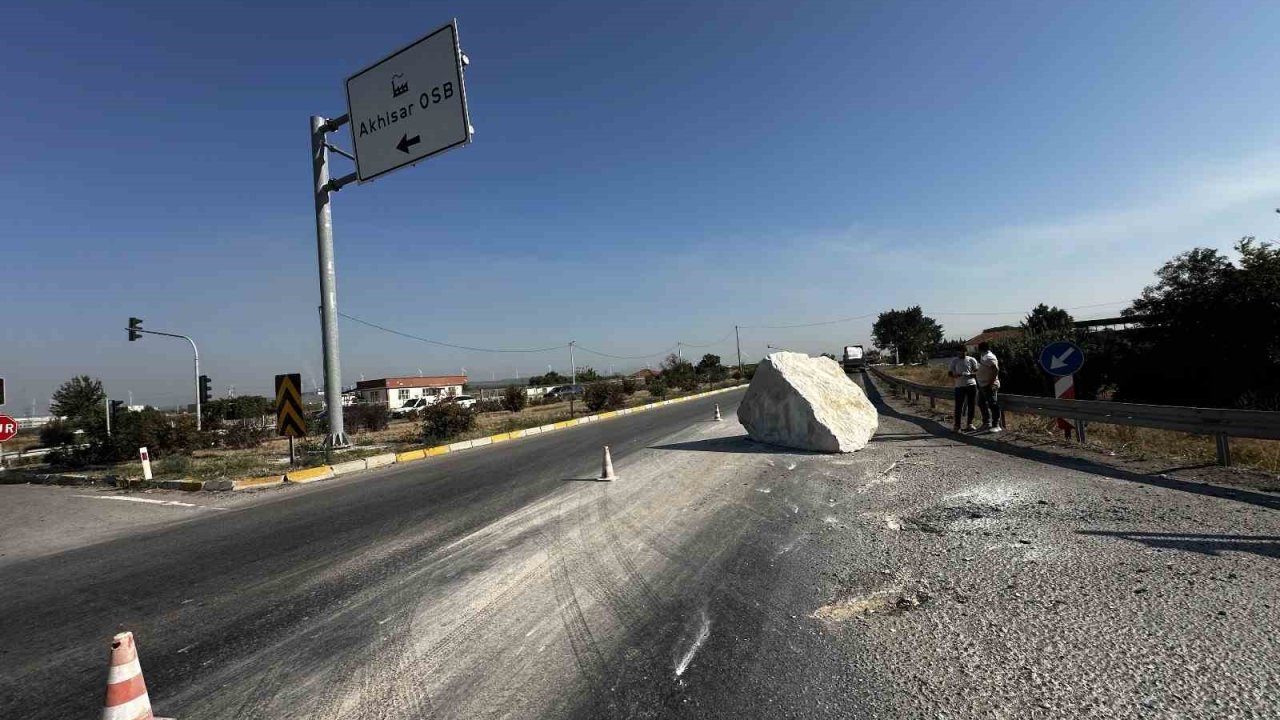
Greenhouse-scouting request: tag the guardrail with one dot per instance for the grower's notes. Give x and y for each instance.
(1222, 424)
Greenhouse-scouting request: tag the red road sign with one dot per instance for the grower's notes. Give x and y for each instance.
(8, 428)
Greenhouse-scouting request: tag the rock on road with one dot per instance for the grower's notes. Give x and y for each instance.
(928, 575)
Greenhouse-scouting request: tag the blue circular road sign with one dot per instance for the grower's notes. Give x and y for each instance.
(1061, 358)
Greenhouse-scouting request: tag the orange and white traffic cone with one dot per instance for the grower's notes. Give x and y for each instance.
(606, 466)
(126, 691)
(718, 418)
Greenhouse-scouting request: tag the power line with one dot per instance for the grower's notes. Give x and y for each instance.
(624, 357)
(939, 314)
(800, 325)
(451, 345)
(710, 344)
(1023, 312)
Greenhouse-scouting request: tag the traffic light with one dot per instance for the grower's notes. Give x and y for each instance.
(116, 405)
(135, 324)
(206, 394)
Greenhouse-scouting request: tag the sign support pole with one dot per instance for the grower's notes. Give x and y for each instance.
(573, 378)
(291, 460)
(738, 341)
(321, 187)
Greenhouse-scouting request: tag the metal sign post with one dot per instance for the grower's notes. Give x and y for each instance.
(1063, 360)
(403, 109)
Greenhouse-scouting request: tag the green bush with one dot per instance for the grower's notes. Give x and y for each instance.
(372, 417)
(658, 388)
(603, 395)
(56, 433)
(515, 398)
(629, 386)
(244, 437)
(443, 421)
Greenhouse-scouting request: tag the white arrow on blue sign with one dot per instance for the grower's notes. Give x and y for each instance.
(1061, 358)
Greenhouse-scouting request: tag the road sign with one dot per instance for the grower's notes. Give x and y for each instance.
(289, 418)
(1061, 358)
(409, 106)
(8, 428)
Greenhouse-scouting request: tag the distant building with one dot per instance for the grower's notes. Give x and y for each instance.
(644, 375)
(991, 335)
(396, 391)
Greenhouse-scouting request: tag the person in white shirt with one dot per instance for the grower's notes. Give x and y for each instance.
(964, 370)
(988, 388)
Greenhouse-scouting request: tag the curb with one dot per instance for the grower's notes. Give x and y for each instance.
(311, 474)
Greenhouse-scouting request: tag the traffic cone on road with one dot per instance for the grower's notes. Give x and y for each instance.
(606, 466)
(718, 412)
(126, 691)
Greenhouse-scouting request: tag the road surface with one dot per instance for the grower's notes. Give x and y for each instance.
(928, 575)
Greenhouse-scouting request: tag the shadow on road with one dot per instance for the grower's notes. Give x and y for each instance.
(1265, 545)
(899, 437)
(1271, 502)
(584, 480)
(735, 444)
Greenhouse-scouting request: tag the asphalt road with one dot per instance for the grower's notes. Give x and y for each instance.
(928, 575)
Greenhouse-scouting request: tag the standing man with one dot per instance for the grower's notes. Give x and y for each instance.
(964, 370)
(988, 388)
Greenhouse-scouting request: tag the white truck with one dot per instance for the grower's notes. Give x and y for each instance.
(854, 359)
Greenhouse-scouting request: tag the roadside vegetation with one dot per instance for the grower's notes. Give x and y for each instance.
(238, 438)
(1206, 334)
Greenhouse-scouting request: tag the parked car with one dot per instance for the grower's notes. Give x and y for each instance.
(413, 405)
(465, 401)
(563, 392)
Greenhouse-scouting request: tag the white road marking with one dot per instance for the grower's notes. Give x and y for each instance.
(150, 501)
(697, 643)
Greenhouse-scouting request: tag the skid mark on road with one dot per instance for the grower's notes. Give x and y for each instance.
(703, 633)
(586, 654)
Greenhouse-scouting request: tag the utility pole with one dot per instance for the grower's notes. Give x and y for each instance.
(107, 403)
(136, 332)
(321, 186)
(573, 378)
(738, 341)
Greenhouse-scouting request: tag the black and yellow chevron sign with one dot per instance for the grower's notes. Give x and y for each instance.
(289, 418)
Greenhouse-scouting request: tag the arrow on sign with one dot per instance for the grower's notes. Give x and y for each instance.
(1060, 361)
(407, 142)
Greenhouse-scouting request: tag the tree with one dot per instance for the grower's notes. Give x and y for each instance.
(678, 372)
(514, 398)
(1213, 329)
(586, 374)
(551, 378)
(1045, 320)
(80, 401)
(912, 333)
(709, 367)
(830, 355)
(602, 395)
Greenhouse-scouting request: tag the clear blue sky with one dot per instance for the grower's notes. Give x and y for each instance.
(639, 176)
